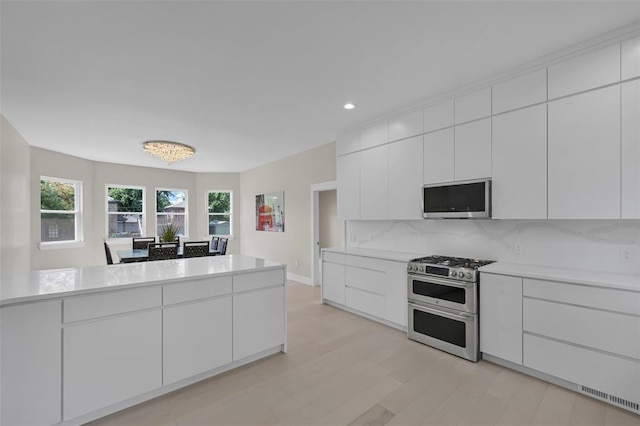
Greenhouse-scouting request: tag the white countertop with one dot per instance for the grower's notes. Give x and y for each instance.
(53, 283)
(378, 254)
(600, 279)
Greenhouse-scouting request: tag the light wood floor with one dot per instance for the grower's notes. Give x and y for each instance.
(345, 370)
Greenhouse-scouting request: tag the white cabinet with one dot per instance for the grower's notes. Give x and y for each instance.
(405, 125)
(333, 277)
(631, 148)
(396, 292)
(364, 301)
(584, 156)
(438, 156)
(519, 164)
(110, 360)
(522, 91)
(196, 338)
(501, 316)
(348, 142)
(348, 177)
(374, 135)
(31, 363)
(472, 157)
(630, 58)
(473, 106)
(258, 321)
(585, 72)
(374, 183)
(405, 178)
(438, 116)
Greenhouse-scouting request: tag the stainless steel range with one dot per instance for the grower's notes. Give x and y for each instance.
(443, 303)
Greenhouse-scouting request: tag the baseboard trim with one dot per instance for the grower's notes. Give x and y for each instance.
(300, 279)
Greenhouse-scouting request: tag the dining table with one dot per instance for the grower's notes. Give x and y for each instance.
(141, 255)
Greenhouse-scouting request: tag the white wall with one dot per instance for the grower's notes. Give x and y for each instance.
(220, 182)
(15, 203)
(593, 245)
(293, 175)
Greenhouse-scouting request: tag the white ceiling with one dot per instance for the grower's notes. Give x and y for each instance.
(247, 83)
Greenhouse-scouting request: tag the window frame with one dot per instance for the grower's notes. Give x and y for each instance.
(230, 214)
(107, 213)
(77, 213)
(185, 234)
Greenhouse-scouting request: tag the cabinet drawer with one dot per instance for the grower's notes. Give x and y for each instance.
(365, 262)
(594, 297)
(328, 256)
(606, 373)
(606, 331)
(195, 290)
(372, 304)
(365, 279)
(256, 280)
(112, 303)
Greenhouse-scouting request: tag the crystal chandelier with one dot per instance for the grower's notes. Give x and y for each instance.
(168, 151)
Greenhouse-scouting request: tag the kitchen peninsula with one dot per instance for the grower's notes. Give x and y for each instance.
(81, 343)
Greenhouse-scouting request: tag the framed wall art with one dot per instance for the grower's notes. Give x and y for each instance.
(270, 212)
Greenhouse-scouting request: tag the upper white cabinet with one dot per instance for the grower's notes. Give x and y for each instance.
(438, 156)
(525, 90)
(374, 183)
(631, 58)
(585, 72)
(631, 150)
(405, 178)
(473, 106)
(473, 150)
(438, 116)
(348, 142)
(374, 135)
(519, 164)
(405, 125)
(584, 156)
(348, 177)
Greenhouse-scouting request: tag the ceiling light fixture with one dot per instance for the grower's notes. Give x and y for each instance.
(168, 151)
(349, 106)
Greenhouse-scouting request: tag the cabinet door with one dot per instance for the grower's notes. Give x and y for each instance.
(519, 164)
(584, 156)
(196, 338)
(473, 106)
(333, 282)
(31, 363)
(364, 301)
(438, 116)
(348, 176)
(438, 154)
(374, 135)
(396, 292)
(631, 58)
(519, 92)
(258, 321)
(405, 179)
(374, 183)
(631, 149)
(406, 125)
(348, 142)
(501, 317)
(473, 150)
(111, 360)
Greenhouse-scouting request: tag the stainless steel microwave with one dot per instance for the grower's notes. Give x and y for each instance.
(469, 199)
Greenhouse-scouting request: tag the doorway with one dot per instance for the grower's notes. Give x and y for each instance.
(326, 230)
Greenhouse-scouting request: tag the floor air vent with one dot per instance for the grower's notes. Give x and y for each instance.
(634, 406)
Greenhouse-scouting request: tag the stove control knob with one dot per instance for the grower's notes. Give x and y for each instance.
(468, 275)
(410, 268)
(454, 274)
(421, 268)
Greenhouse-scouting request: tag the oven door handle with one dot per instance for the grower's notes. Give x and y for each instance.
(434, 280)
(462, 316)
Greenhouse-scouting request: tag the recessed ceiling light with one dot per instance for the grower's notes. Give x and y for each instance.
(349, 106)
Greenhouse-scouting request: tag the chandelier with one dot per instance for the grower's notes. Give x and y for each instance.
(168, 151)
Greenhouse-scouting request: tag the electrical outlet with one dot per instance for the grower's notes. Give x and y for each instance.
(517, 248)
(626, 254)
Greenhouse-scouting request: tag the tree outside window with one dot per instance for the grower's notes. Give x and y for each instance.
(125, 211)
(60, 208)
(219, 213)
(172, 210)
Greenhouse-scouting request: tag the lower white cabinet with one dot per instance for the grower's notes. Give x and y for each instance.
(31, 363)
(110, 360)
(365, 301)
(196, 337)
(501, 316)
(333, 276)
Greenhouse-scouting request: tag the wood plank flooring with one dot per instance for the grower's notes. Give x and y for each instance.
(345, 370)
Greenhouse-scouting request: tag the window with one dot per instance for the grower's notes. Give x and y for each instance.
(219, 213)
(125, 211)
(60, 210)
(171, 210)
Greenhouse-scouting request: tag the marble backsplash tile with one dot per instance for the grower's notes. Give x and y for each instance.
(596, 245)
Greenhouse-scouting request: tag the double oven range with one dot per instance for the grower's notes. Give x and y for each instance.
(443, 303)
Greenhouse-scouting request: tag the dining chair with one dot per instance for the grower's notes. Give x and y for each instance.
(195, 248)
(222, 246)
(107, 252)
(162, 251)
(214, 243)
(141, 243)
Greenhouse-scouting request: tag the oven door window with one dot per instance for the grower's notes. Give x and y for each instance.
(441, 328)
(439, 291)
